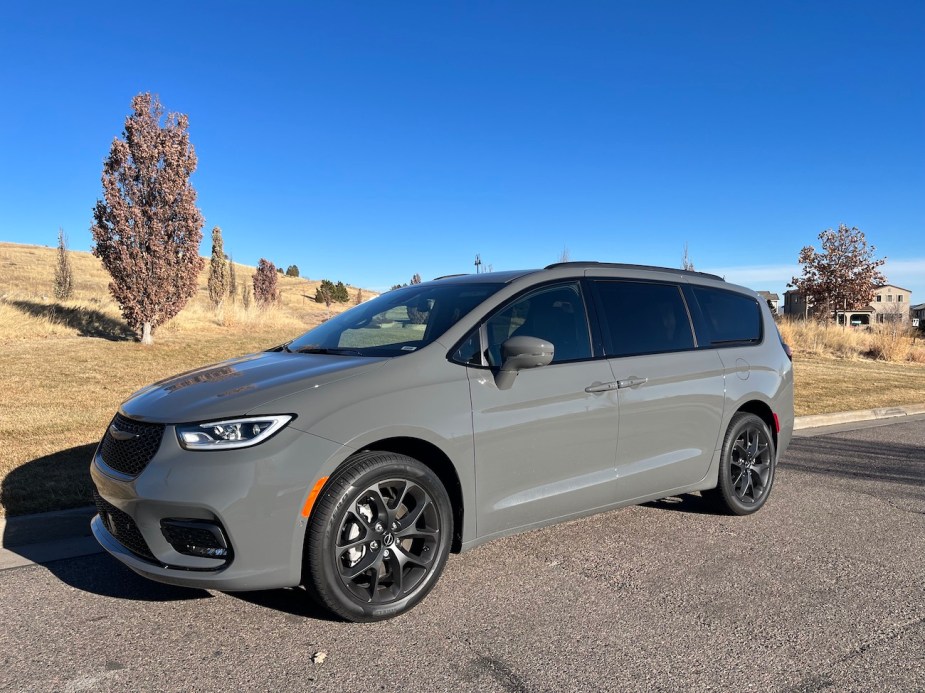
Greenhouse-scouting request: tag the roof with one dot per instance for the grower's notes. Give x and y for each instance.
(767, 295)
(592, 264)
(919, 306)
(891, 286)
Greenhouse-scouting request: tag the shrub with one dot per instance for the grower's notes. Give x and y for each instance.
(265, 292)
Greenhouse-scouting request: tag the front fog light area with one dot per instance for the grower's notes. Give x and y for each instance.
(196, 538)
(230, 433)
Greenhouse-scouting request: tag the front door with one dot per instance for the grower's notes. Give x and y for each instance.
(545, 447)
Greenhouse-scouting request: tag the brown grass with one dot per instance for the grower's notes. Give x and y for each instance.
(65, 367)
(881, 342)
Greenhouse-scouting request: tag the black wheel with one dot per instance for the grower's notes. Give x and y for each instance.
(746, 467)
(379, 537)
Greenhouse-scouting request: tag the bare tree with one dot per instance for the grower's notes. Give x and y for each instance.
(64, 275)
(246, 296)
(359, 299)
(686, 263)
(416, 279)
(265, 292)
(565, 255)
(147, 228)
(218, 270)
(843, 275)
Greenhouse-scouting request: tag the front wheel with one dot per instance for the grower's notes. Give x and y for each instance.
(746, 467)
(378, 538)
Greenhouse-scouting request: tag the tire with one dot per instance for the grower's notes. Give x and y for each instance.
(378, 538)
(746, 467)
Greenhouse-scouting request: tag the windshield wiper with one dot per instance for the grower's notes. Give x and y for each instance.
(325, 350)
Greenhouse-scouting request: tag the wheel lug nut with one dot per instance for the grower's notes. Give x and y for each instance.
(374, 545)
(378, 527)
(394, 526)
(387, 554)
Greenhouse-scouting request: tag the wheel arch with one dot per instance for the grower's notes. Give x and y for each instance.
(764, 412)
(439, 463)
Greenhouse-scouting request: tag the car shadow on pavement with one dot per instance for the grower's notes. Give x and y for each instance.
(294, 601)
(103, 575)
(685, 503)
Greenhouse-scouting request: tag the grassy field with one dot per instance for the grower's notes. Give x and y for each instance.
(65, 367)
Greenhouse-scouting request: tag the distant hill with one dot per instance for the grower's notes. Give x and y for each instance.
(27, 277)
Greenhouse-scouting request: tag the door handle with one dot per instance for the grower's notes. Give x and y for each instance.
(602, 387)
(632, 382)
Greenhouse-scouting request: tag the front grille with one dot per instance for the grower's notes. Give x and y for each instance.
(123, 528)
(131, 455)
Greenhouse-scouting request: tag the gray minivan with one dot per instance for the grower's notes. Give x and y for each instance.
(435, 417)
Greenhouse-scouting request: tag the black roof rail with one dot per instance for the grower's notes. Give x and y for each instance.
(620, 265)
(450, 276)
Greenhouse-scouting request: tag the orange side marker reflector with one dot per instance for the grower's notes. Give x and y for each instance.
(310, 501)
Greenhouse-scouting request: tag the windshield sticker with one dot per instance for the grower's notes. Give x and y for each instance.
(409, 348)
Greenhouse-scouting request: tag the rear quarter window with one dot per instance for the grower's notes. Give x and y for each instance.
(731, 318)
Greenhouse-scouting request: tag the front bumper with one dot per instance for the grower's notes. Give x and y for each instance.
(255, 495)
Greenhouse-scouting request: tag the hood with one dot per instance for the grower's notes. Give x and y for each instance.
(235, 387)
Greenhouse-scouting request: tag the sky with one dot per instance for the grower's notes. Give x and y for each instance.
(365, 142)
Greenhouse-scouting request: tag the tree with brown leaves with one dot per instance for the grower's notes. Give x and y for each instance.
(218, 270)
(147, 228)
(265, 283)
(841, 277)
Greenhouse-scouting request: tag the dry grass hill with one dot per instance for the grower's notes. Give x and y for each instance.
(66, 366)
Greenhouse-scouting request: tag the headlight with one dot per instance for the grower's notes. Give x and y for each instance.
(230, 433)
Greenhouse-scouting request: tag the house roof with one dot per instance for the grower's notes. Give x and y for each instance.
(767, 295)
(891, 286)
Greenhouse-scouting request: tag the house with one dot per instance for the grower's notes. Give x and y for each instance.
(773, 301)
(889, 304)
(918, 313)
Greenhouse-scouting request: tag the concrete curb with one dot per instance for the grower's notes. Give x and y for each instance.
(816, 420)
(44, 537)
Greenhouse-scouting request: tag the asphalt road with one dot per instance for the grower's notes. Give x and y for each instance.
(821, 590)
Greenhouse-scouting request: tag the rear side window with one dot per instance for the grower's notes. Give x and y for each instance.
(643, 318)
(731, 318)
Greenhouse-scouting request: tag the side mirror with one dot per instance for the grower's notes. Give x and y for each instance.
(519, 353)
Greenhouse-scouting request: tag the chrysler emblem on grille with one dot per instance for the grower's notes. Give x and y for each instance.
(119, 434)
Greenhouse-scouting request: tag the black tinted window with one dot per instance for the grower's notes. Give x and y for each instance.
(643, 318)
(731, 318)
(554, 313)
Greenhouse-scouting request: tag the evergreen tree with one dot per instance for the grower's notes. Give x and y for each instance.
(218, 270)
(64, 275)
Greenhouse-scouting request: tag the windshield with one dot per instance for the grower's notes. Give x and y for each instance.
(397, 322)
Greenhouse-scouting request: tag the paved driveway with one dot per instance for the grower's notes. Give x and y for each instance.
(821, 590)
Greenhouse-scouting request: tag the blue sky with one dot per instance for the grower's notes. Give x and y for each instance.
(367, 141)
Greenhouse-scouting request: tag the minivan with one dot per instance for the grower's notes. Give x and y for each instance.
(353, 459)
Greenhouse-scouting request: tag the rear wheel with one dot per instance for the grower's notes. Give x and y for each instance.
(379, 537)
(746, 467)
